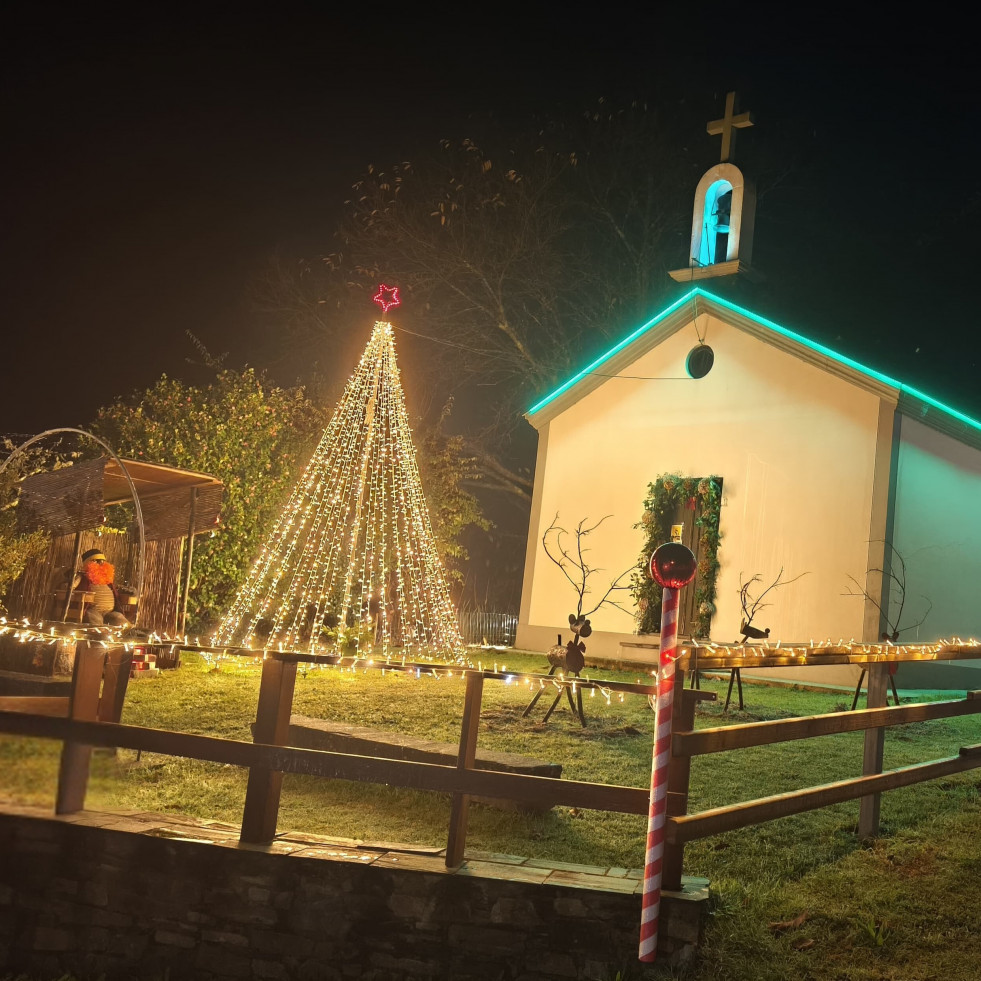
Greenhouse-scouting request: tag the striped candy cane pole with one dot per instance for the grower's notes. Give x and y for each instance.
(671, 579)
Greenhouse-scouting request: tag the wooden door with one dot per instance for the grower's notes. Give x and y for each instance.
(684, 528)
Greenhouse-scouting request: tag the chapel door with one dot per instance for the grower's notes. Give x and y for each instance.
(684, 529)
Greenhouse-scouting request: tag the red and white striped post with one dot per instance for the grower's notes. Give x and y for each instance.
(672, 566)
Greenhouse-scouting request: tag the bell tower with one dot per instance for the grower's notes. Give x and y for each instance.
(725, 209)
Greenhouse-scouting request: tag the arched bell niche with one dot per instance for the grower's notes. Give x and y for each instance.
(723, 217)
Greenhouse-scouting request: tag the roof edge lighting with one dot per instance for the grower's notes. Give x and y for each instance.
(777, 329)
(629, 339)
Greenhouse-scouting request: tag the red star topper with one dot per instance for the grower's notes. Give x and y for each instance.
(387, 296)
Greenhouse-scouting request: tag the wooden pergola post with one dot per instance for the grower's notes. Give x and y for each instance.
(71, 579)
(190, 558)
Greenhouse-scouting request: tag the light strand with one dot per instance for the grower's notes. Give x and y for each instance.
(355, 540)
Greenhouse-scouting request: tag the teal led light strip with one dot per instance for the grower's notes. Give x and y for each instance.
(777, 329)
(653, 322)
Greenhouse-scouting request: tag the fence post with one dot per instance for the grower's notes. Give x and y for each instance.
(457, 839)
(272, 726)
(679, 772)
(119, 662)
(83, 703)
(868, 813)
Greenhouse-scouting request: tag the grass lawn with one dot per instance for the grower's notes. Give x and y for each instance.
(798, 898)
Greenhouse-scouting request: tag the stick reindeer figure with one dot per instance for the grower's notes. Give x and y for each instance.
(896, 577)
(751, 606)
(575, 567)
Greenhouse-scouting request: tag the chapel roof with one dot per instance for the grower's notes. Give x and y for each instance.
(909, 400)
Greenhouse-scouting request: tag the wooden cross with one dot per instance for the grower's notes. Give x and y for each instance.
(727, 126)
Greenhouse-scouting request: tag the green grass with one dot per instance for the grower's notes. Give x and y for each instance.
(906, 907)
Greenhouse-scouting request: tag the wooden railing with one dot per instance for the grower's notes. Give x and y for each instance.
(89, 717)
(87, 720)
(682, 827)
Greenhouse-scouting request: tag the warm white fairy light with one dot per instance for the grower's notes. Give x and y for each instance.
(355, 539)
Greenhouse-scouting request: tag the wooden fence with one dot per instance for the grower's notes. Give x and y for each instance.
(32, 595)
(90, 717)
(482, 627)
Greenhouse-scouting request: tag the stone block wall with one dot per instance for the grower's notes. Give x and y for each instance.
(153, 896)
(41, 657)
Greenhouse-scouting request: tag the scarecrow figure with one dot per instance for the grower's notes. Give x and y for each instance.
(97, 576)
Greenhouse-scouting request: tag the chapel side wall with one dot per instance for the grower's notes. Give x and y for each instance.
(794, 444)
(533, 546)
(937, 531)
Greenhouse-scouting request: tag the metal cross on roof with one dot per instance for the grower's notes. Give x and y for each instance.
(727, 126)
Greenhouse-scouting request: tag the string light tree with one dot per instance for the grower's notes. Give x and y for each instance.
(351, 565)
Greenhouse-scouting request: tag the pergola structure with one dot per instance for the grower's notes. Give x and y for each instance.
(171, 507)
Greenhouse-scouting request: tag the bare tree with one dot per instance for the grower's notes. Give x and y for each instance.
(896, 579)
(751, 605)
(516, 253)
(571, 559)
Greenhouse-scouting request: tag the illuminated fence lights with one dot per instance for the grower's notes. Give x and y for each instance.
(353, 664)
(351, 563)
(707, 655)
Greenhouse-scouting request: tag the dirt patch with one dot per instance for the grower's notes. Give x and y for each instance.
(917, 865)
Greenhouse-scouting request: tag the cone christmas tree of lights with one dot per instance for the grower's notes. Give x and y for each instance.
(351, 563)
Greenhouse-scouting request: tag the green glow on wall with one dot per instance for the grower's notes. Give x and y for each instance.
(777, 329)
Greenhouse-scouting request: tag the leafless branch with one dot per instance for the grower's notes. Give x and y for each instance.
(514, 252)
(750, 605)
(896, 577)
(575, 566)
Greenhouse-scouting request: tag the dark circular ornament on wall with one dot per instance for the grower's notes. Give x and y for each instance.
(700, 361)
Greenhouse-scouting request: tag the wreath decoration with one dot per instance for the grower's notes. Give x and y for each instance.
(665, 496)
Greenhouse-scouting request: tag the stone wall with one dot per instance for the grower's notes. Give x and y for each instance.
(146, 896)
(40, 657)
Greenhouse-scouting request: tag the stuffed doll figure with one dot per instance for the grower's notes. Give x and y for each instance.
(97, 576)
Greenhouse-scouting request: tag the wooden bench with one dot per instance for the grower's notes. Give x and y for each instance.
(81, 601)
(339, 737)
(77, 605)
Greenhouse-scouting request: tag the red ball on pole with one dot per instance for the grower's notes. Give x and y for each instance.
(673, 565)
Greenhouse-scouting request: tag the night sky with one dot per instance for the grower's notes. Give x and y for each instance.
(151, 166)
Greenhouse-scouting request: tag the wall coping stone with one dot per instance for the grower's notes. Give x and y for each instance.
(303, 845)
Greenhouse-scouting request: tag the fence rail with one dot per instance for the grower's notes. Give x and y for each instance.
(90, 717)
(721, 819)
(489, 629)
(727, 738)
(337, 766)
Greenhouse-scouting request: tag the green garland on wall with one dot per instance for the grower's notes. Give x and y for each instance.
(668, 494)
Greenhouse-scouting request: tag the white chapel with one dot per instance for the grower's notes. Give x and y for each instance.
(830, 472)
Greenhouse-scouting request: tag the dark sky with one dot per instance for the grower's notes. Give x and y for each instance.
(151, 161)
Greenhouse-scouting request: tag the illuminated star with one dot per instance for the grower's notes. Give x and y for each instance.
(387, 296)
